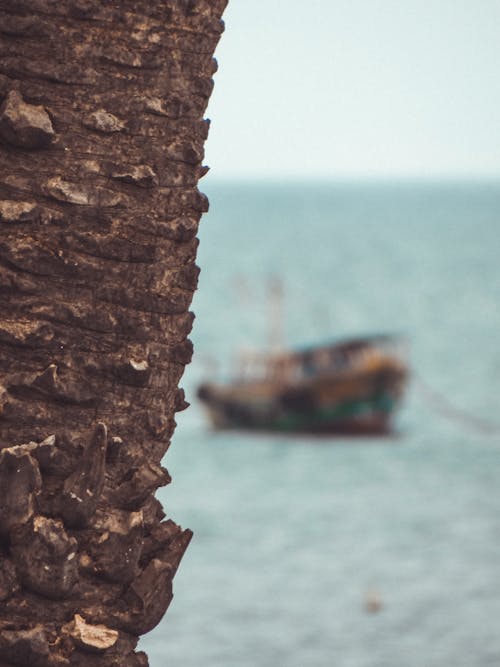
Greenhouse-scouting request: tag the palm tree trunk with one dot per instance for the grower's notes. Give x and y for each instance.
(101, 143)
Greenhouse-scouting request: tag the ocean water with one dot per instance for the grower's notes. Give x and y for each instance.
(293, 534)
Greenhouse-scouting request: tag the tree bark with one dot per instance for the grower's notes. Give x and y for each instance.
(101, 148)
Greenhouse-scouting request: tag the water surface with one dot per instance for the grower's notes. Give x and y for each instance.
(292, 533)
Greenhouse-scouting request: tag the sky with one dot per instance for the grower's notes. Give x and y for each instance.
(326, 89)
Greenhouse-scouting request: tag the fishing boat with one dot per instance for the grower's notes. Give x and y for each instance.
(351, 386)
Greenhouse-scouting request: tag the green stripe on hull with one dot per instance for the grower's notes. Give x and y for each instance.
(382, 404)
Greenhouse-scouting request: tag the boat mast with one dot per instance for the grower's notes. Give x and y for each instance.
(276, 318)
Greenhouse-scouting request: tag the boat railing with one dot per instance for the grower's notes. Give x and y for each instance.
(292, 366)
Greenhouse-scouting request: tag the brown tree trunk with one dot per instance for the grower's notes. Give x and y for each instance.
(101, 143)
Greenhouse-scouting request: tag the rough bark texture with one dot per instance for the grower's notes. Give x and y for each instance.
(101, 144)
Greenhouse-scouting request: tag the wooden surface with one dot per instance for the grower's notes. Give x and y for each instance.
(101, 149)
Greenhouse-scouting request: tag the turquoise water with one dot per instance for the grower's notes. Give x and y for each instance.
(292, 534)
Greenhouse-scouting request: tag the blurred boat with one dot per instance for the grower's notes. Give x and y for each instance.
(352, 386)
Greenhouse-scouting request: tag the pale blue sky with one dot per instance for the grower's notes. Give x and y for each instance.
(355, 88)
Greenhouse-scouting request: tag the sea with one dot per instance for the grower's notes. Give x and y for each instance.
(338, 552)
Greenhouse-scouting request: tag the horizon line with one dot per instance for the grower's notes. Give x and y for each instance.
(215, 179)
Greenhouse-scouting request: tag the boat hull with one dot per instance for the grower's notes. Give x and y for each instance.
(367, 416)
